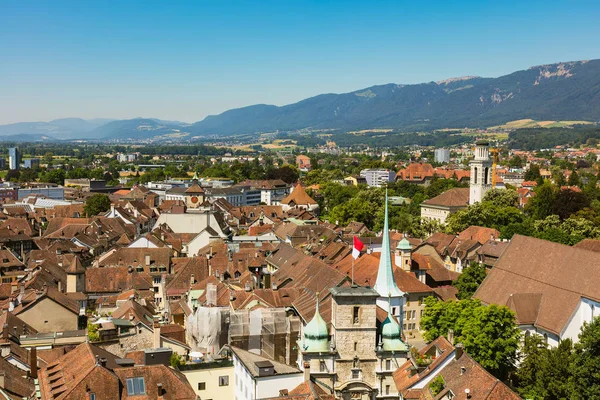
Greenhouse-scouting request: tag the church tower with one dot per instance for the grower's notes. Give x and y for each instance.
(404, 255)
(481, 172)
(389, 293)
(194, 195)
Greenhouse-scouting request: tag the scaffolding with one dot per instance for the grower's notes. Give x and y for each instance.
(269, 332)
(207, 329)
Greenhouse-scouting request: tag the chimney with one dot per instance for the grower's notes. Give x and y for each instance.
(451, 336)
(192, 280)
(156, 343)
(306, 371)
(459, 349)
(5, 331)
(33, 362)
(103, 362)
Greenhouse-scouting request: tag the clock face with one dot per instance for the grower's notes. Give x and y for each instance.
(194, 199)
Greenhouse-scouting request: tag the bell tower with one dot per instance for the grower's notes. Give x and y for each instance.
(481, 172)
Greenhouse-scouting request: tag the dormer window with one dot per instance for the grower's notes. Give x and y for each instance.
(136, 386)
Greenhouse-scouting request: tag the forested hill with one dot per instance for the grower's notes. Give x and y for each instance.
(546, 138)
(562, 91)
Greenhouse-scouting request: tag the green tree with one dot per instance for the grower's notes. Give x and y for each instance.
(12, 175)
(489, 333)
(516, 162)
(574, 179)
(176, 360)
(440, 316)
(287, 173)
(585, 365)
(568, 202)
(529, 377)
(469, 280)
(54, 176)
(533, 173)
(491, 337)
(27, 175)
(93, 334)
(541, 205)
(502, 198)
(437, 385)
(96, 203)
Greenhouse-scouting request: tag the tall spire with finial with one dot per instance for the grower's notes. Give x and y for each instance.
(385, 283)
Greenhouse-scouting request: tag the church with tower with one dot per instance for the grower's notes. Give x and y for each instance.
(355, 356)
(453, 200)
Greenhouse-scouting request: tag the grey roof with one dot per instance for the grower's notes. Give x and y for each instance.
(252, 362)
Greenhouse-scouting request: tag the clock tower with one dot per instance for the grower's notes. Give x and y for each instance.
(194, 195)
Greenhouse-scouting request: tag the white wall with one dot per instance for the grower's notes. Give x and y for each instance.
(552, 338)
(249, 388)
(585, 311)
(144, 243)
(198, 243)
(434, 213)
(270, 386)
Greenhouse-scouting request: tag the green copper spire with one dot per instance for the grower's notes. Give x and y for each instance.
(404, 244)
(392, 334)
(385, 283)
(316, 335)
(195, 178)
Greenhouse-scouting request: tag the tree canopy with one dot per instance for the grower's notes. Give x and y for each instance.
(489, 333)
(96, 204)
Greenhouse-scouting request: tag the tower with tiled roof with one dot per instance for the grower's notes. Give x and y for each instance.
(194, 195)
(75, 276)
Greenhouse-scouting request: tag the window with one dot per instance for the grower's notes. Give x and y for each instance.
(355, 314)
(355, 374)
(322, 366)
(92, 396)
(355, 346)
(407, 302)
(387, 389)
(388, 365)
(224, 380)
(202, 385)
(394, 310)
(136, 386)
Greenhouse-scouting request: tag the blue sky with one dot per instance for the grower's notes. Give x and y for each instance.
(186, 60)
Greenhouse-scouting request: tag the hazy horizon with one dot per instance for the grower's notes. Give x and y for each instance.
(184, 61)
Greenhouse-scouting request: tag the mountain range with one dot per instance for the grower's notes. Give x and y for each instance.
(561, 91)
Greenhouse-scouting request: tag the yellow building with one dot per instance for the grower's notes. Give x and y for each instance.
(211, 380)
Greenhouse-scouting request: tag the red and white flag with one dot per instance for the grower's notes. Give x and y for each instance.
(357, 247)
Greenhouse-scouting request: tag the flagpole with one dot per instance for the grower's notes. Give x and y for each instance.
(352, 270)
